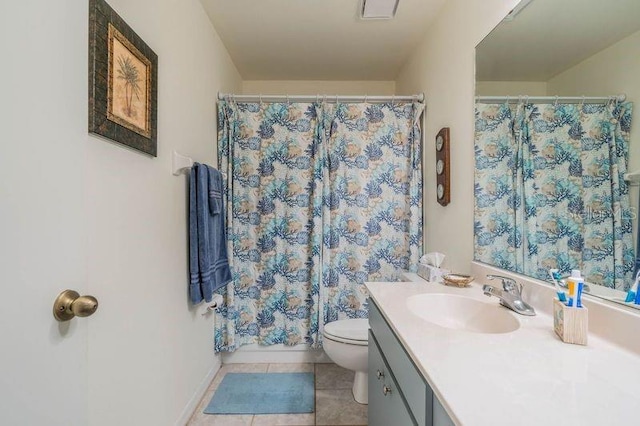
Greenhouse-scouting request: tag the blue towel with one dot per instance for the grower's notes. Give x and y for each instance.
(208, 262)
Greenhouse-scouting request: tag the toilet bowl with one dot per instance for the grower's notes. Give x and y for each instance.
(346, 343)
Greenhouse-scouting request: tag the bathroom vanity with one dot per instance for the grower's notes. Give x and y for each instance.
(442, 365)
(398, 394)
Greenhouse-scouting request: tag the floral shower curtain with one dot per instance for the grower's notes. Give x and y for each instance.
(550, 190)
(372, 209)
(310, 188)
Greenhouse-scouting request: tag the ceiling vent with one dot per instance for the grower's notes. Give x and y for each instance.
(378, 9)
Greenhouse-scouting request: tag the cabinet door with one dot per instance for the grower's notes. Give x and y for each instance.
(386, 403)
(440, 416)
(416, 392)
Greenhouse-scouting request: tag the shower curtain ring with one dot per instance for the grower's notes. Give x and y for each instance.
(393, 100)
(365, 98)
(288, 102)
(260, 98)
(582, 102)
(555, 103)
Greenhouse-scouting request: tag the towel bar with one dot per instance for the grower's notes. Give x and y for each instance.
(181, 163)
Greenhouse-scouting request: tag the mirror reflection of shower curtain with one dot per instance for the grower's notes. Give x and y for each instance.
(320, 199)
(550, 190)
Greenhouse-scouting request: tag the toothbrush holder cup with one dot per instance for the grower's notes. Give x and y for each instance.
(570, 324)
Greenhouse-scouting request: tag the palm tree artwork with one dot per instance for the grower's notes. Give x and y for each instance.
(128, 72)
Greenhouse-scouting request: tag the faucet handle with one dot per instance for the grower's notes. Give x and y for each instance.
(508, 284)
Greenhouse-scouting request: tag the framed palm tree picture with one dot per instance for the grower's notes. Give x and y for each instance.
(123, 74)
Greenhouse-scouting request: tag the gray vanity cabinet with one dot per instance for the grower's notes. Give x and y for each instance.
(386, 404)
(398, 394)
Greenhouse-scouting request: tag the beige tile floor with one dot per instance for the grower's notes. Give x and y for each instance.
(334, 401)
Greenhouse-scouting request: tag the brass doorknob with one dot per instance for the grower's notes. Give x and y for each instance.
(70, 304)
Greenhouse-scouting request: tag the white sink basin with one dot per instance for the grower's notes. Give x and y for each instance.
(462, 313)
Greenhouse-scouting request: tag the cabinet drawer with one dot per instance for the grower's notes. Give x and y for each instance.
(388, 408)
(417, 393)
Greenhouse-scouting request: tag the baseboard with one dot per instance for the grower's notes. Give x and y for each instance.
(276, 354)
(197, 396)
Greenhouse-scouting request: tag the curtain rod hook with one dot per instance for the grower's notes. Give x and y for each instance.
(555, 103)
(365, 98)
(260, 97)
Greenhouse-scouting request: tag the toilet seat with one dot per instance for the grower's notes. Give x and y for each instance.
(349, 331)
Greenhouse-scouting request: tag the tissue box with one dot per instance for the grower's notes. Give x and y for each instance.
(431, 273)
(570, 324)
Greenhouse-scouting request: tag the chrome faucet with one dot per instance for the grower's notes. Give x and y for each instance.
(510, 296)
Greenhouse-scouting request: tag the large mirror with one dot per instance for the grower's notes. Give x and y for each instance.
(558, 143)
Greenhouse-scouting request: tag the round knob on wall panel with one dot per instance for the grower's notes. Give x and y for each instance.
(70, 304)
(84, 306)
(439, 142)
(440, 167)
(440, 191)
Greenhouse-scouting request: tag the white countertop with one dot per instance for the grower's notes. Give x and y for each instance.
(526, 377)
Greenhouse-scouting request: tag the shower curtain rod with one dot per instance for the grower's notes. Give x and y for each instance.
(325, 98)
(566, 99)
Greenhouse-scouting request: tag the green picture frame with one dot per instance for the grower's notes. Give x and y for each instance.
(123, 82)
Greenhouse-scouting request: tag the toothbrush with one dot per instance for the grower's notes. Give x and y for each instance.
(555, 276)
(633, 291)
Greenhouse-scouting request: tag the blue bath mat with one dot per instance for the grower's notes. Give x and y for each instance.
(263, 393)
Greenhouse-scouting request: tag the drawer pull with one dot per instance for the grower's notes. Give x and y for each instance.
(386, 389)
(380, 374)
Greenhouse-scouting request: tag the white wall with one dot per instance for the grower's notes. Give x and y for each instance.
(312, 87)
(443, 67)
(511, 88)
(149, 350)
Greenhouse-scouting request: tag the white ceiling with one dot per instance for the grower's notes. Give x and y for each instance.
(550, 36)
(318, 39)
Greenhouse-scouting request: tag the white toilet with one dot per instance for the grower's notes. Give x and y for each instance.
(346, 343)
